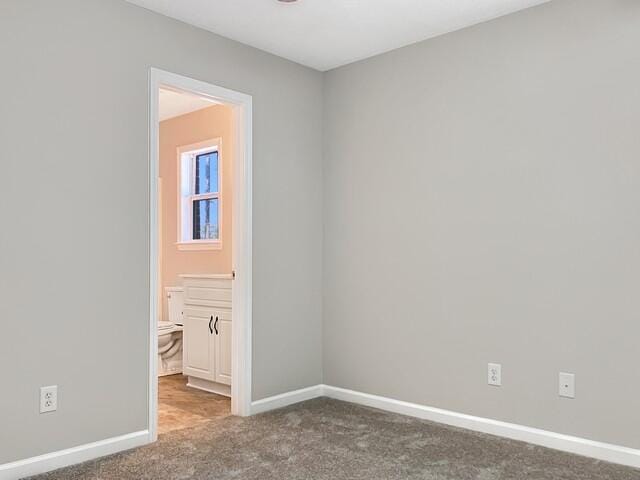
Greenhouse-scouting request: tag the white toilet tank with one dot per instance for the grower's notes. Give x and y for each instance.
(175, 304)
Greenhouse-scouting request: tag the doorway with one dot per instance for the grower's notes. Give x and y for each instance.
(233, 371)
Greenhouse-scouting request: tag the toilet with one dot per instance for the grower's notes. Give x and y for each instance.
(170, 334)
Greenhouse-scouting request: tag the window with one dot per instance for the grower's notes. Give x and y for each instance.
(199, 192)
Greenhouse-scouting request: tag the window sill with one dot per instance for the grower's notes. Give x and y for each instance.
(193, 246)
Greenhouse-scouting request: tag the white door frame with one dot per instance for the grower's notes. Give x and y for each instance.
(242, 237)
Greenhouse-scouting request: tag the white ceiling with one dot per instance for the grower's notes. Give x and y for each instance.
(324, 34)
(173, 104)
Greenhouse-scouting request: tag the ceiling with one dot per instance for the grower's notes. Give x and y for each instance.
(173, 104)
(324, 34)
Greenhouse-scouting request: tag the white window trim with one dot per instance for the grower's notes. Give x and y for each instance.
(194, 245)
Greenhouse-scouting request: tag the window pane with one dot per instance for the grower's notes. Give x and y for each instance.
(206, 173)
(205, 219)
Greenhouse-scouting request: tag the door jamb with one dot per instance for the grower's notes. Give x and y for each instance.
(242, 237)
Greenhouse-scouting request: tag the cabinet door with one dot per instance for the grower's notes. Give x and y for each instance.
(198, 343)
(223, 347)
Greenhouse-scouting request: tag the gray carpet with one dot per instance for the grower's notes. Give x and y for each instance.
(325, 439)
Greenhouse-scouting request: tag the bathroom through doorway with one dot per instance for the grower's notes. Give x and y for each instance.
(200, 253)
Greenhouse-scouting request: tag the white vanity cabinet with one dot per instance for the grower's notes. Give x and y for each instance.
(207, 332)
(222, 347)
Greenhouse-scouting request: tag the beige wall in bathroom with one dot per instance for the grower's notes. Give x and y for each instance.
(212, 122)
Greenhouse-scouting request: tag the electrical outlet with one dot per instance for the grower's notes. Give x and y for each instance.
(48, 399)
(495, 374)
(567, 385)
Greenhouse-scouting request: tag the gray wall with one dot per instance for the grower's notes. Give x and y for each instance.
(481, 194)
(481, 205)
(74, 208)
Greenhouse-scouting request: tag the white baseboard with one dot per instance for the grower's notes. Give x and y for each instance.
(72, 456)
(566, 443)
(285, 399)
(208, 386)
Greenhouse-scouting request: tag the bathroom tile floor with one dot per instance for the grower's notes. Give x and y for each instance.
(181, 407)
(326, 439)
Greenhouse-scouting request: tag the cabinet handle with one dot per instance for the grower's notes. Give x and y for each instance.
(215, 326)
(211, 320)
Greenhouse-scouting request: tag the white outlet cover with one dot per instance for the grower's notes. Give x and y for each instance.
(494, 374)
(48, 399)
(567, 385)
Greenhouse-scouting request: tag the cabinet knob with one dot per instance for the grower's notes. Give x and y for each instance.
(215, 326)
(211, 320)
